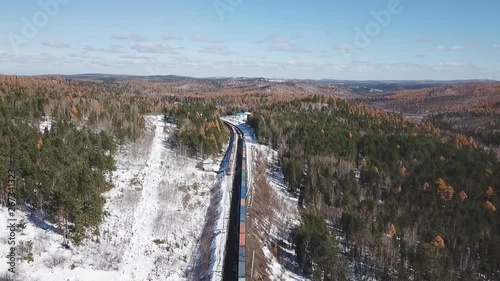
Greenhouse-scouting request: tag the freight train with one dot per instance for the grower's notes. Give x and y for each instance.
(241, 208)
(242, 232)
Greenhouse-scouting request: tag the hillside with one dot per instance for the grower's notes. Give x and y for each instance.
(470, 97)
(472, 109)
(405, 200)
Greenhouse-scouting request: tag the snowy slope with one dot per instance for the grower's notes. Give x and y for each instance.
(286, 218)
(155, 217)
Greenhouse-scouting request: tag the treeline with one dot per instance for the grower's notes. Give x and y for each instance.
(411, 202)
(101, 106)
(200, 131)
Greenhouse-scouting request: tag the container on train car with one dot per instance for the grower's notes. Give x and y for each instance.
(229, 172)
(242, 228)
(241, 254)
(243, 202)
(241, 263)
(243, 240)
(243, 213)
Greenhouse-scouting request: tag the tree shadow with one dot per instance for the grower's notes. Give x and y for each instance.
(38, 221)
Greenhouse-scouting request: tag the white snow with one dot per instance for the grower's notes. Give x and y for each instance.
(158, 195)
(221, 228)
(46, 122)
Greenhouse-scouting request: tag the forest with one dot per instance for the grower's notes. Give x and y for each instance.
(403, 200)
(62, 171)
(200, 131)
(484, 127)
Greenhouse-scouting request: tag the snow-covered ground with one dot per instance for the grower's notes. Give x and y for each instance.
(46, 122)
(221, 226)
(286, 218)
(155, 215)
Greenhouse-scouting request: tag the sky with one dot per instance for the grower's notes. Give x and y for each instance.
(290, 39)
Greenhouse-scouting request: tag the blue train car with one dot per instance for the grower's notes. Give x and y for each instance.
(241, 263)
(243, 213)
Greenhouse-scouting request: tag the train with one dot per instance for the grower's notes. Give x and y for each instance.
(241, 215)
(242, 218)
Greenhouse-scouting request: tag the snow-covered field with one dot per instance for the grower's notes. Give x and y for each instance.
(155, 215)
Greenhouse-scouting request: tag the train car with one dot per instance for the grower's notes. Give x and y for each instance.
(241, 264)
(243, 190)
(243, 213)
(229, 171)
(242, 240)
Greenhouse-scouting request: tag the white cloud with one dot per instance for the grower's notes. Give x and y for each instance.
(216, 48)
(82, 55)
(280, 44)
(452, 48)
(345, 48)
(149, 47)
(133, 57)
(113, 49)
(129, 36)
(452, 64)
(170, 38)
(200, 38)
(197, 37)
(56, 44)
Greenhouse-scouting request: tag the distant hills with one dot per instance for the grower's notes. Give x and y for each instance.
(357, 86)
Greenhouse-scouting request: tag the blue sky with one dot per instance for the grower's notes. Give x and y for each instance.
(342, 39)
